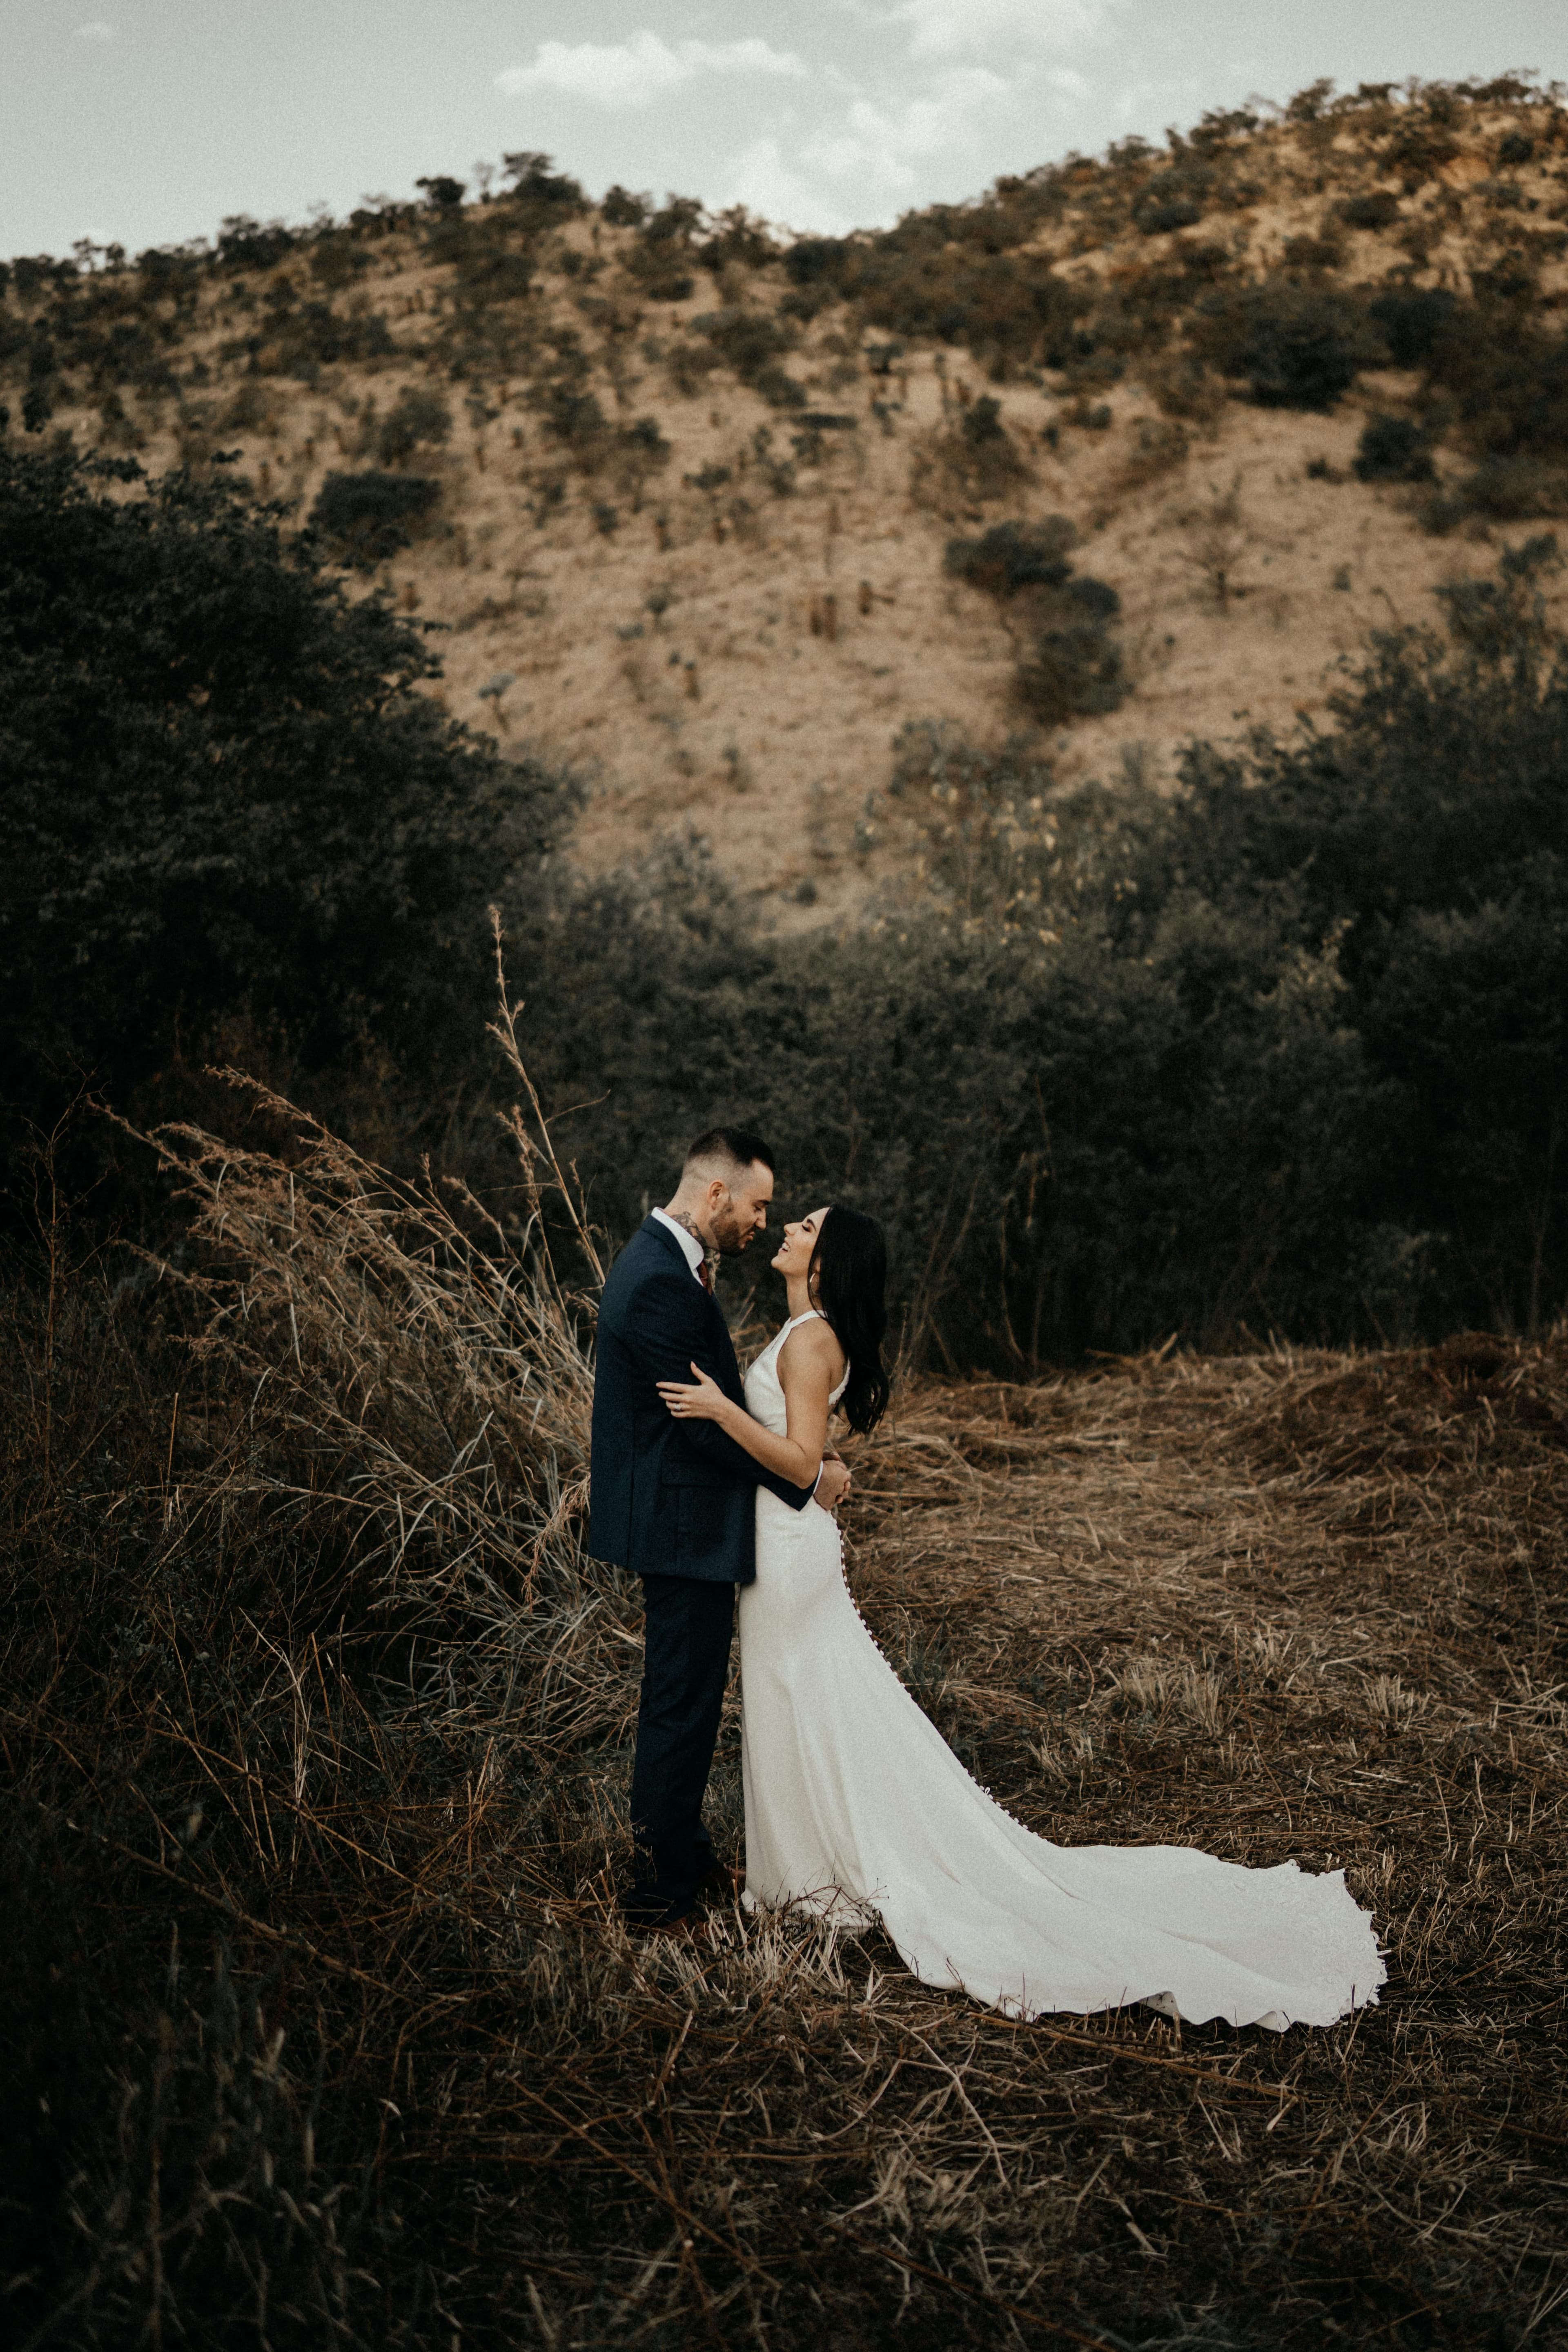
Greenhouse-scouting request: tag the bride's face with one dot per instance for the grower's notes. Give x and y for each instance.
(793, 1255)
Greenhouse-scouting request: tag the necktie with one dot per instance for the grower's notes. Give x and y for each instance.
(704, 1277)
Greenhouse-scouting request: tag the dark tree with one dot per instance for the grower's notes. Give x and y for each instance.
(219, 789)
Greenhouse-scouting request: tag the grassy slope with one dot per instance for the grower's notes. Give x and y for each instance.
(729, 708)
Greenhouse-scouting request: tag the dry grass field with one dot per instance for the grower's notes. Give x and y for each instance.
(319, 1725)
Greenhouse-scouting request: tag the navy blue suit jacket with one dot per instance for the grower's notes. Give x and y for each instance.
(668, 1498)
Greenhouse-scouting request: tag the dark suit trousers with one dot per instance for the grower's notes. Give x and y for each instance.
(686, 1662)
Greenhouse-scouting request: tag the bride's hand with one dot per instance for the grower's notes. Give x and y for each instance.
(705, 1401)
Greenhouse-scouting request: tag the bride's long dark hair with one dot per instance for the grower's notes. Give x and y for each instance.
(847, 1279)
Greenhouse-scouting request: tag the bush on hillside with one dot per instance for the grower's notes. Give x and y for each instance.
(365, 517)
(1502, 489)
(1296, 347)
(747, 340)
(1171, 200)
(417, 416)
(304, 337)
(621, 209)
(1411, 320)
(1508, 379)
(1376, 209)
(1012, 556)
(1392, 449)
(1070, 666)
(243, 243)
(737, 240)
(1075, 667)
(661, 257)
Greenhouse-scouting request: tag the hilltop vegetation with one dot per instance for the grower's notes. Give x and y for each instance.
(680, 491)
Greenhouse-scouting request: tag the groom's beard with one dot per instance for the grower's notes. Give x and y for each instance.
(729, 1238)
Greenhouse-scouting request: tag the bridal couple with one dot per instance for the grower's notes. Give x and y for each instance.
(855, 1805)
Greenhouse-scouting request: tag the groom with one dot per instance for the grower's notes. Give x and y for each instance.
(675, 1500)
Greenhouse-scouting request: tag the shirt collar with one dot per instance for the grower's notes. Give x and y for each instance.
(691, 1247)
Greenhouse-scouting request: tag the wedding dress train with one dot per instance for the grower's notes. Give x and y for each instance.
(855, 1803)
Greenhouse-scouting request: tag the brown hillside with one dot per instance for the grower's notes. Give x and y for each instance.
(694, 486)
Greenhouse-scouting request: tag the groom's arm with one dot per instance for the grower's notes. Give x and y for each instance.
(666, 1333)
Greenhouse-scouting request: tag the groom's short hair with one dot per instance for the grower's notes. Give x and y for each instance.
(735, 1148)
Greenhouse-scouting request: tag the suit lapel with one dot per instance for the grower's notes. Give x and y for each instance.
(725, 1345)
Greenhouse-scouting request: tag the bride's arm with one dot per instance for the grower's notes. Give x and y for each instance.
(806, 1367)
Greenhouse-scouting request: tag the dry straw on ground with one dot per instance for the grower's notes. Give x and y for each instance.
(319, 1719)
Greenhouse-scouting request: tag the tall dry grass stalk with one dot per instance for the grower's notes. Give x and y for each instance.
(403, 1346)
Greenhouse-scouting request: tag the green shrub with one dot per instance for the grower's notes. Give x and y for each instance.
(1075, 667)
(1171, 200)
(1012, 556)
(645, 440)
(1072, 666)
(737, 240)
(537, 196)
(365, 517)
(1298, 347)
(1511, 489)
(1392, 449)
(816, 260)
(243, 243)
(417, 417)
(621, 209)
(983, 424)
(222, 793)
(746, 341)
(1377, 209)
(572, 413)
(660, 259)
(778, 388)
(1412, 321)
(1509, 381)
(1427, 835)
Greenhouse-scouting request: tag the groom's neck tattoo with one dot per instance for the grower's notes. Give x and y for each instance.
(688, 1224)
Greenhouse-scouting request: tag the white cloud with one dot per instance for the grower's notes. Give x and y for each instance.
(96, 30)
(761, 179)
(635, 72)
(881, 145)
(948, 28)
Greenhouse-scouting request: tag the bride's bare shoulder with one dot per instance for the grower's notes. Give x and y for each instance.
(812, 1346)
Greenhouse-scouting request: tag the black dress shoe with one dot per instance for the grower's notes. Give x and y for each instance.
(659, 1918)
(681, 1927)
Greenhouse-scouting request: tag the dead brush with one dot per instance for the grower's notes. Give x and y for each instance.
(323, 2029)
(401, 1340)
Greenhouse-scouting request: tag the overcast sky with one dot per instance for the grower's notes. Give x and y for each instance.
(147, 123)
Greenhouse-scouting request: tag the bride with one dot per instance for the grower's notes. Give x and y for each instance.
(855, 1803)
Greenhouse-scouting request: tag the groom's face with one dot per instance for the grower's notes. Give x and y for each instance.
(741, 1211)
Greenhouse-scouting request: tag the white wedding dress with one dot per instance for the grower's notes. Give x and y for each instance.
(856, 1804)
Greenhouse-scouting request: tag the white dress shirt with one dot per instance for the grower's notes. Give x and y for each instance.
(690, 1245)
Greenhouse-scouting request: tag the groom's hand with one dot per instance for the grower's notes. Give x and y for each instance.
(834, 1483)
